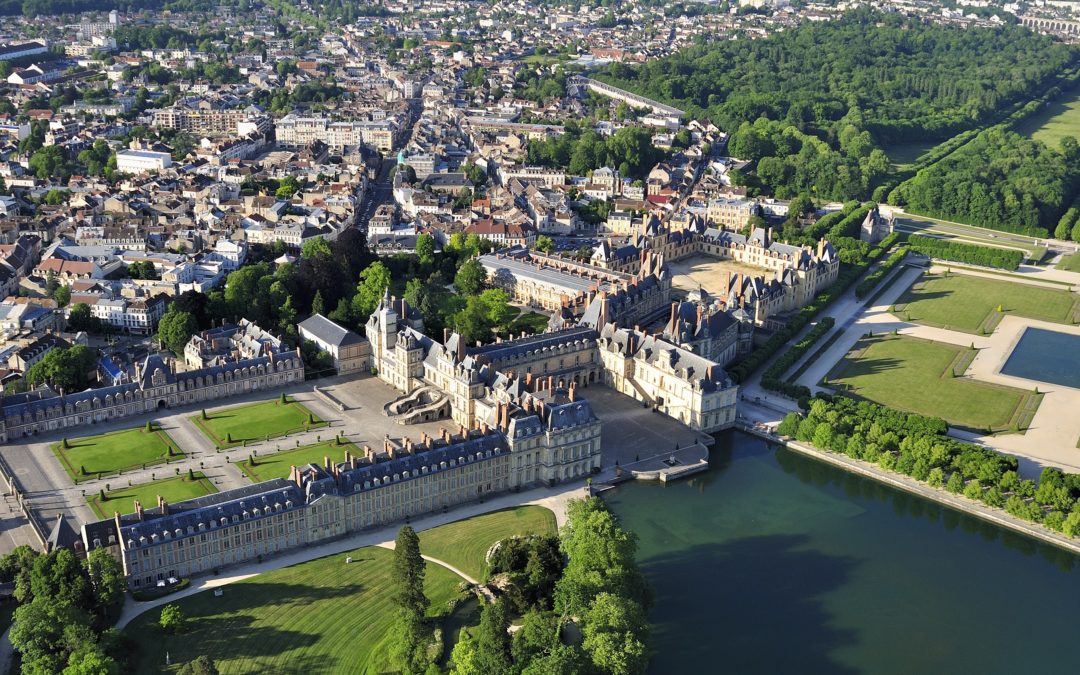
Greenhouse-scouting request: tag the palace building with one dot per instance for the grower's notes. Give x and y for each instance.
(154, 386)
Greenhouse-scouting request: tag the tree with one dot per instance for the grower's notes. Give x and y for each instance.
(492, 639)
(614, 632)
(176, 328)
(317, 306)
(67, 368)
(62, 295)
(196, 304)
(425, 249)
(172, 619)
(470, 277)
(407, 574)
(49, 162)
(288, 187)
(463, 656)
(374, 281)
(407, 579)
(91, 660)
(107, 579)
(81, 319)
(203, 665)
(545, 243)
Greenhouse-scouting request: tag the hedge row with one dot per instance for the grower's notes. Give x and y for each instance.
(848, 274)
(943, 249)
(851, 223)
(773, 377)
(874, 278)
(919, 447)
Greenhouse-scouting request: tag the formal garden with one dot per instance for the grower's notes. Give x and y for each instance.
(277, 465)
(88, 457)
(230, 427)
(973, 304)
(926, 377)
(177, 489)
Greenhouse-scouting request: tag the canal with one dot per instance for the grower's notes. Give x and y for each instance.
(772, 562)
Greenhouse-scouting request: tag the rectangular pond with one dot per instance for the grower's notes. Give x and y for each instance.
(1046, 356)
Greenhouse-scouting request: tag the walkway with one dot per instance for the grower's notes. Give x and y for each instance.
(482, 589)
(1052, 437)
(555, 499)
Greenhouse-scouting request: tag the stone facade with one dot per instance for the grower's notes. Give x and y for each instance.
(154, 387)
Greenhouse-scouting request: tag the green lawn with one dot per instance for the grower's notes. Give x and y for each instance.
(913, 375)
(1069, 263)
(255, 422)
(1058, 119)
(277, 465)
(902, 155)
(321, 616)
(465, 544)
(968, 303)
(116, 451)
(172, 489)
(530, 322)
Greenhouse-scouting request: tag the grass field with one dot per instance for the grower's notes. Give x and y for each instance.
(530, 322)
(255, 422)
(465, 544)
(321, 616)
(1069, 263)
(969, 304)
(173, 490)
(1058, 119)
(278, 464)
(903, 155)
(913, 375)
(116, 451)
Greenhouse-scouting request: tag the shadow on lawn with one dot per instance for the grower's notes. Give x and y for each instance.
(235, 638)
(863, 367)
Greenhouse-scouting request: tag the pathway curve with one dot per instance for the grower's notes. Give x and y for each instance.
(482, 589)
(555, 499)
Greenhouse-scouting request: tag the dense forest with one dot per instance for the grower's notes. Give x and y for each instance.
(999, 180)
(814, 105)
(55, 7)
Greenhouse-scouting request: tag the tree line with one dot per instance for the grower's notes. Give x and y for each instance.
(944, 249)
(919, 447)
(1000, 180)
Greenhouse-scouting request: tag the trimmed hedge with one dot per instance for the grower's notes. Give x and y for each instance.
(773, 377)
(874, 278)
(1006, 259)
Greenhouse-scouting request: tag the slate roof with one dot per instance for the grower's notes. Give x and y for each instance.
(329, 332)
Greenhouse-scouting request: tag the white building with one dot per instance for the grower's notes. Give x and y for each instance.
(142, 161)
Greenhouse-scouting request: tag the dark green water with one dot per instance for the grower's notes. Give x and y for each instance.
(774, 563)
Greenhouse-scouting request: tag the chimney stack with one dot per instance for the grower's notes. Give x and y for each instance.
(139, 510)
(369, 454)
(163, 505)
(573, 391)
(445, 434)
